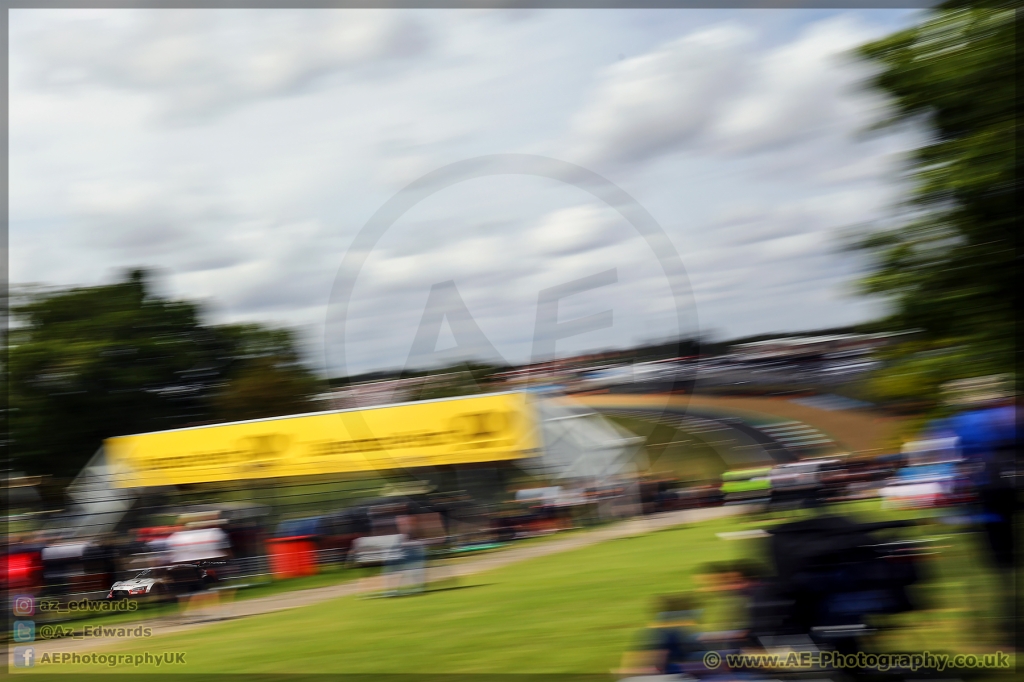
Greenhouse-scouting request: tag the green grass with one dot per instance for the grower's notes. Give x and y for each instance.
(331, 574)
(573, 612)
(328, 575)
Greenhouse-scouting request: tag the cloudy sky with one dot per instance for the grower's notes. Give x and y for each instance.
(239, 153)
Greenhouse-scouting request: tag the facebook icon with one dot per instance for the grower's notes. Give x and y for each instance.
(24, 656)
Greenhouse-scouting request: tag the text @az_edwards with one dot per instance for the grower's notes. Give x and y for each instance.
(57, 631)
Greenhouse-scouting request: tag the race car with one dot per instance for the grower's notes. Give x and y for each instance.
(164, 581)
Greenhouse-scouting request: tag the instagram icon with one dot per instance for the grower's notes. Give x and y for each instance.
(24, 605)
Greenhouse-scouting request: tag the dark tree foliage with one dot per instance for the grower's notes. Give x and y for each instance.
(949, 266)
(265, 376)
(89, 363)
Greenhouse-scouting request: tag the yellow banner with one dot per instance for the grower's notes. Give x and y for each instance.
(433, 433)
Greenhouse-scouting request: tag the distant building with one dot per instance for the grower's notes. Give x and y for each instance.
(794, 347)
(380, 392)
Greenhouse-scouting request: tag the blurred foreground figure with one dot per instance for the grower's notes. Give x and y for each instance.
(671, 643)
(741, 583)
(413, 568)
(985, 429)
(832, 576)
(418, 530)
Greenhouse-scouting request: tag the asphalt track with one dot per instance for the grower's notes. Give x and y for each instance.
(199, 615)
(774, 450)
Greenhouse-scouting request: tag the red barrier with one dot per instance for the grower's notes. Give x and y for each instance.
(292, 557)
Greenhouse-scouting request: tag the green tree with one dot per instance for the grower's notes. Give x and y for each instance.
(265, 377)
(949, 264)
(89, 363)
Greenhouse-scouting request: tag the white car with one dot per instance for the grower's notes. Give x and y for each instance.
(163, 581)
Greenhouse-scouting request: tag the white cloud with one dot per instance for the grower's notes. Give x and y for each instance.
(644, 105)
(713, 92)
(198, 63)
(139, 217)
(577, 229)
(738, 138)
(800, 90)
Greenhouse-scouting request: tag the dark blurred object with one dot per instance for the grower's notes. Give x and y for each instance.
(858, 479)
(832, 574)
(94, 362)
(661, 494)
(265, 377)
(77, 569)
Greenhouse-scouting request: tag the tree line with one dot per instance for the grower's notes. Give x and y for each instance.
(948, 266)
(85, 364)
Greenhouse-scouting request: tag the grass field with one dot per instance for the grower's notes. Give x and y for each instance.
(574, 612)
(264, 586)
